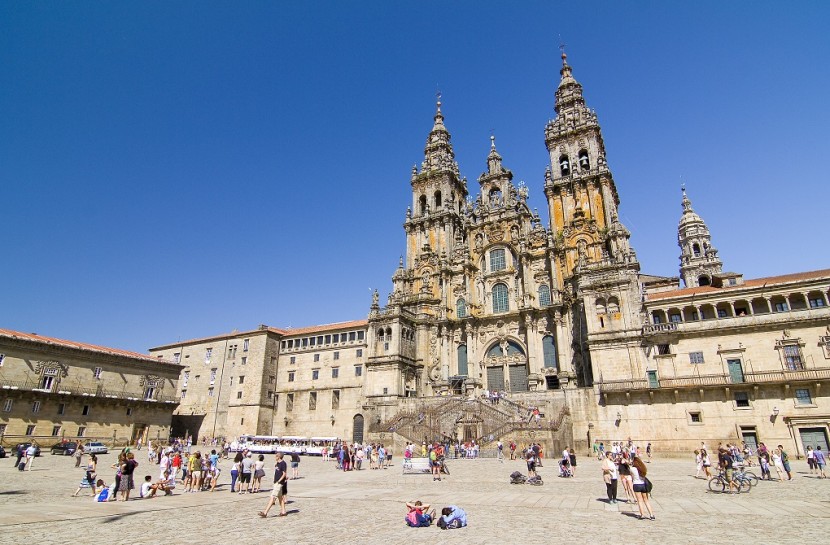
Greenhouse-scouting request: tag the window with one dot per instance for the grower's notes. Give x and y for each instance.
(208, 353)
(212, 376)
(695, 357)
(35, 407)
(316, 357)
(2, 359)
(802, 396)
(85, 411)
(272, 379)
(722, 313)
(461, 308)
(360, 335)
(232, 351)
(30, 429)
(564, 165)
(81, 431)
(238, 395)
(185, 378)
(244, 360)
(7, 405)
(385, 391)
(210, 392)
(653, 382)
(184, 394)
(781, 306)
(241, 421)
(312, 401)
(241, 379)
(129, 411)
(814, 303)
(245, 345)
(315, 374)
(270, 394)
(497, 260)
(352, 335)
(335, 399)
(61, 408)
(177, 356)
(544, 296)
(56, 430)
(674, 318)
(293, 359)
(549, 352)
(663, 349)
(291, 376)
(500, 302)
(289, 403)
(328, 339)
(337, 355)
(792, 357)
(96, 373)
(47, 382)
(741, 399)
(149, 393)
(358, 370)
(335, 372)
(584, 162)
(359, 353)
(695, 418)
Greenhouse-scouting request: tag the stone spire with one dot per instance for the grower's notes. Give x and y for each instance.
(438, 153)
(569, 92)
(699, 260)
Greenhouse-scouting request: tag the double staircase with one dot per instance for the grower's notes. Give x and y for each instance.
(457, 418)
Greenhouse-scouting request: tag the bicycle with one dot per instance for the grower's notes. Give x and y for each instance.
(745, 473)
(719, 483)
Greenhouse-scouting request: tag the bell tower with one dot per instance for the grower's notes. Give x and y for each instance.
(699, 260)
(596, 267)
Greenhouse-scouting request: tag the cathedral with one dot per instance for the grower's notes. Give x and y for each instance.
(557, 318)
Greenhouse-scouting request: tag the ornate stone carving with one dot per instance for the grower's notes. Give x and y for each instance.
(53, 368)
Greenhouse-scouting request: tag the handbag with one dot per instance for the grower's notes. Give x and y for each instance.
(648, 484)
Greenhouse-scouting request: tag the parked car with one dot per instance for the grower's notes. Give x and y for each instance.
(26, 446)
(67, 448)
(95, 447)
(2, 452)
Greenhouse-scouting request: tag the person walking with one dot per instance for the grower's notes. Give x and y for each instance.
(79, 452)
(641, 490)
(89, 477)
(280, 490)
(820, 461)
(500, 451)
(31, 452)
(235, 470)
(610, 475)
(785, 461)
(811, 460)
(247, 468)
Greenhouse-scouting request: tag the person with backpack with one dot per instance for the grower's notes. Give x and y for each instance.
(434, 464)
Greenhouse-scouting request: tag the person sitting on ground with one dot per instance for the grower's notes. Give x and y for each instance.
(416, 516)
(146, 486)
(104, 493)
(452, 517)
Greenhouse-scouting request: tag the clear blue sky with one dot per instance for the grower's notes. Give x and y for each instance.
(172, 170)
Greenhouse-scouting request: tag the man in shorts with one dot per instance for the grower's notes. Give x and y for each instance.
(785, 461)
(280, 490)
(245, 476)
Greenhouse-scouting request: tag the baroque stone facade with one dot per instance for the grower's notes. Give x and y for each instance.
(558, 316)
(52, 389)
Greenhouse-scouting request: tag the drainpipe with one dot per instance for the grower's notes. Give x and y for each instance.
(219, 392)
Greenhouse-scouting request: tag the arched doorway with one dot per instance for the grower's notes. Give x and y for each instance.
(357, 433)
(506, 364)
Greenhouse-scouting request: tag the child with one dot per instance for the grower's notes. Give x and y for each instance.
(146, 486)
(105, 494)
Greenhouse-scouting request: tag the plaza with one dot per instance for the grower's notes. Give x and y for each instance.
(326, 505)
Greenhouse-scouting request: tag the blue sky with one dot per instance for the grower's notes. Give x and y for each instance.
(172, 170)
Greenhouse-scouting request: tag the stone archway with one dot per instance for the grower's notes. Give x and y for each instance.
(506, 366)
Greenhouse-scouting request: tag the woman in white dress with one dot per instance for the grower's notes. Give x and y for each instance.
(778, 463)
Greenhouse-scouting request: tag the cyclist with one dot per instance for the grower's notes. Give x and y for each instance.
(726, 462)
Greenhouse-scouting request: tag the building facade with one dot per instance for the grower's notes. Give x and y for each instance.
(51, 389)
(557, 316)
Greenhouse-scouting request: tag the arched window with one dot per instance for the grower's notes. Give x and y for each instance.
(437, 200)
(601, 309)
(703, 281)
(564, 165)
(462, 359)
(500, 301)
(584, 163)
(423, 204)
(549, 351)
(544, 296)
(497, 260)
(461, 308)
(696, 249)
(613, 305)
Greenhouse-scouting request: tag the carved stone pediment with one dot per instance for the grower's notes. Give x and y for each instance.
(53, 368)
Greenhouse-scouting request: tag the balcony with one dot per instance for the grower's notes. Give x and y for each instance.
(706, 381)
(100, 393)
(654, 329)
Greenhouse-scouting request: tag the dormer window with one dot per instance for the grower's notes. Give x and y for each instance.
(564, 165)
(584, 163)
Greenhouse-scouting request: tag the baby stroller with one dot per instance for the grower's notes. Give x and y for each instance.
(517, 478)
(565, 468)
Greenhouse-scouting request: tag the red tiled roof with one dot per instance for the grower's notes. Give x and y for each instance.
(79, 345)
(325, 327)
(755, 282)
